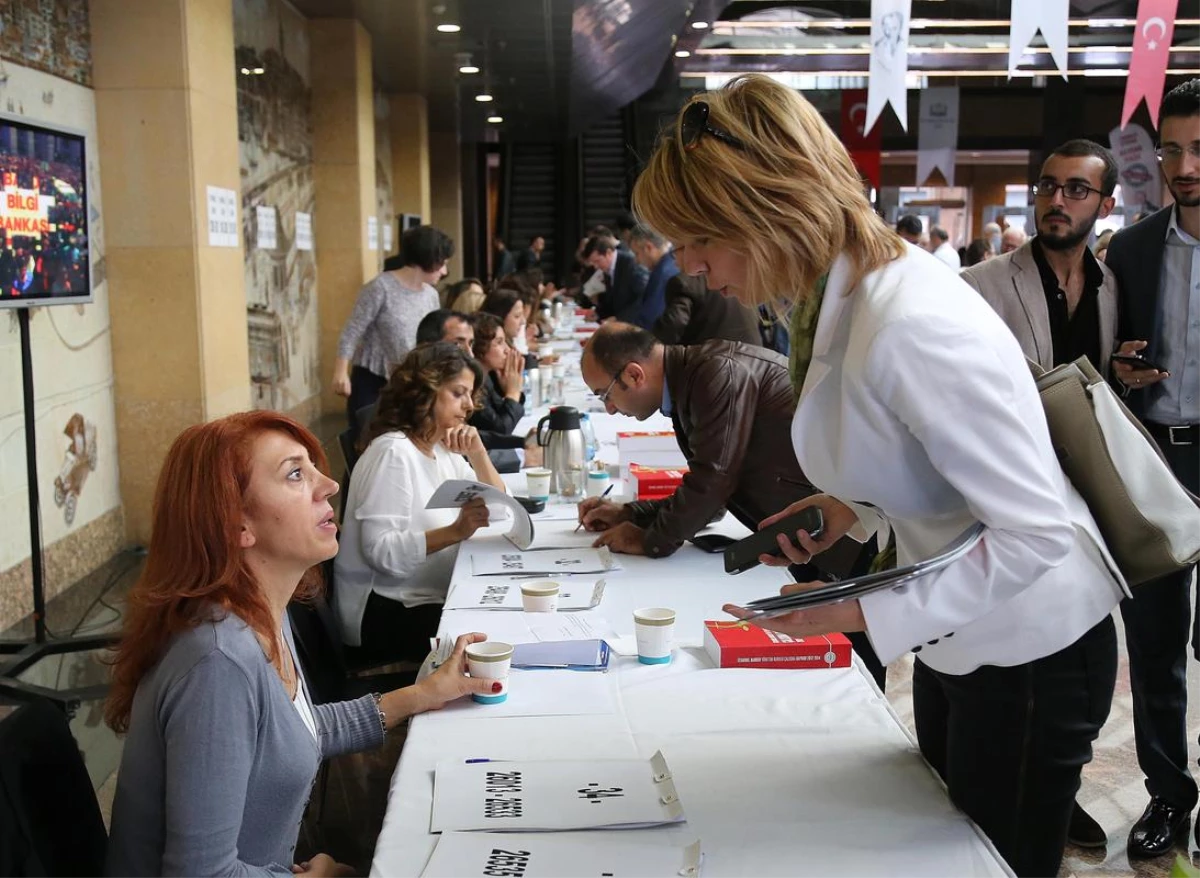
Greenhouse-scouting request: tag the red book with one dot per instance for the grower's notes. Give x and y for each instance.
(742, 645)
(655, 483)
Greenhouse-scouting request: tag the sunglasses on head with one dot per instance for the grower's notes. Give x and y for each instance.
(693, 124)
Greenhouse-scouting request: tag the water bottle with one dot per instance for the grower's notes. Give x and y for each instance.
(527, 390)
(589, 437)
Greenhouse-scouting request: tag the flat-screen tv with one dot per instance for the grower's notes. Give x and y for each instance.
(43, 216)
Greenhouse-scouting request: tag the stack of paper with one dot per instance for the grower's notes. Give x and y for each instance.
(493, 560)
(557, 856)
(549, 796)
(505, 594)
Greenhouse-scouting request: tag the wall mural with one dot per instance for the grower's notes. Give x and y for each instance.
(383, 175)
(53, 36)
(275, 149)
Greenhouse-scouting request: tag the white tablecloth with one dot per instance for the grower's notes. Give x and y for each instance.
(780, 772)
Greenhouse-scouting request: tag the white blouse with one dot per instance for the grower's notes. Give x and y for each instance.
(919, 410)
(383, 531)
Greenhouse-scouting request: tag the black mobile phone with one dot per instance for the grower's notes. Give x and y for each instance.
(713, 543)
(1136, 361)
(743, 555)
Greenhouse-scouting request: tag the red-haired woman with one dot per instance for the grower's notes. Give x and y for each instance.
(223, 742)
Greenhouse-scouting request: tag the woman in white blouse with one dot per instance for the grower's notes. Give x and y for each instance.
(393, 569)
(918, 417)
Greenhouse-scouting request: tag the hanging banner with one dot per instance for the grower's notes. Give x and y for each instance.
(862, 146)
(937, 137)
(1141, 187)
(1151, 51)
(1030, 16)
(889, 60)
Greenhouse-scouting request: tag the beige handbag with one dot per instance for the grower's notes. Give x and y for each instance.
(1150, 521)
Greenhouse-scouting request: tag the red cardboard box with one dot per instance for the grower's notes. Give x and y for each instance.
(655, 483)
(742, 645)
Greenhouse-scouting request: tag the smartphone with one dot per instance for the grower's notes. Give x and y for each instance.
(1136, 361)
(713, 543)
(743, 554)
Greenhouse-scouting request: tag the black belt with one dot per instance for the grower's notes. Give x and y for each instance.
(1186, 434)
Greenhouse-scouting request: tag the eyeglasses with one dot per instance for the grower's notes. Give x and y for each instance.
(693, 124)
(1072, 189)
(608, 390)
(1173, 153)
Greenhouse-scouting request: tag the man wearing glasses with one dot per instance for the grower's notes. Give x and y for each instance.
(1057, 298)
(1157, 265)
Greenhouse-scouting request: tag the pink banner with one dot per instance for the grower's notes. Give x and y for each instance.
(1151, 51)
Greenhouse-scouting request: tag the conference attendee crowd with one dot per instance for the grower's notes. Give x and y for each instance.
(808, 354)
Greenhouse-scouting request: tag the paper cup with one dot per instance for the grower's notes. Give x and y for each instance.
(597, 483)
(537, 484)
(490, 660)
(654, 628)
(540, 596)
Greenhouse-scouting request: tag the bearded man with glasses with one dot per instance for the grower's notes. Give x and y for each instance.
(1157, 265)
(1057, 298)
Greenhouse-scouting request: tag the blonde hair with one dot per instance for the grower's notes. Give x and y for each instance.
(790, 200)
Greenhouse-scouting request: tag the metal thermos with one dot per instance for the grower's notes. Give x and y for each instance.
(560, 434)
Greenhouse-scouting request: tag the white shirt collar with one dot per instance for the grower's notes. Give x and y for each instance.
(1173, 226)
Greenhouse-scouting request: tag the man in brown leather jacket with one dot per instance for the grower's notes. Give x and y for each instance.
(731, 405)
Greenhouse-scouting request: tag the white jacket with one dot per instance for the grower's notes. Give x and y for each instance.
(919, 410)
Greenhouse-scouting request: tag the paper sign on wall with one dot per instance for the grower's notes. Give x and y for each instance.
(387, 237)
(552, 795)
(222, 217)
(372, 233)
(304, 240)
(264, 216)
(557, 856)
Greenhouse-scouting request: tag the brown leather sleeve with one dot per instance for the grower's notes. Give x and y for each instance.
(723, 402)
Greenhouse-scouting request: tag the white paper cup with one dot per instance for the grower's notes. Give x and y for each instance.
(537, 484)
(598, 482)
(490, 660)
(654, 628)
(540, 596)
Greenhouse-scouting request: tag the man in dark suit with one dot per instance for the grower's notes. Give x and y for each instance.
(502, 260)
(653, 253)
(1157, 265)
(694, 313)
(626, 280)
(531, 256)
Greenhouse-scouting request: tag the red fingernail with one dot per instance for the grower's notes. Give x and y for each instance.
(496, 687)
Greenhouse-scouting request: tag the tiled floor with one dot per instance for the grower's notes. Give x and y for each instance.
(357, 786)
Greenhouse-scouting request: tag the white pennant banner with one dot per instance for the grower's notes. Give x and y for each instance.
(889, 60)
(1030, 16)
(937, 137)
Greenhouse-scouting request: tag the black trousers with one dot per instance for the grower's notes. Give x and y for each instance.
(365, 386)
(1157, 621)
(391, 631)
(1010, 742)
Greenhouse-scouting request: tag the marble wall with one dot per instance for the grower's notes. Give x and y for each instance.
(275, 150)
(78, 477)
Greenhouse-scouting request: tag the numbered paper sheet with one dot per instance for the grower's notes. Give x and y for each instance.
(516, 855)
(456, 493)
(552, 795)
(490, 560)
(505, 594)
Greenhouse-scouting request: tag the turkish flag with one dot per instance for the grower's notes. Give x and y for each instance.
(863, 146)
(1151, 51)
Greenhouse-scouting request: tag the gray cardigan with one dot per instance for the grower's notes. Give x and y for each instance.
(218, 764)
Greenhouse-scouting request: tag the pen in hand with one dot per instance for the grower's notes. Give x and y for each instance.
(607, 491)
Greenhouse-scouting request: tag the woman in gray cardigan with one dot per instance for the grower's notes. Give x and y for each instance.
(223, 742)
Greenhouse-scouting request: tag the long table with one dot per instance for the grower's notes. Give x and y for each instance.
(780, 772)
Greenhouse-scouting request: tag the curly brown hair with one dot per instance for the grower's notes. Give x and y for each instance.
(486, 326)
(406, 403)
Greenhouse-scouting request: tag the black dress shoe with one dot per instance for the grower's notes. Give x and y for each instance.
(1084, 831)
(1157, 830)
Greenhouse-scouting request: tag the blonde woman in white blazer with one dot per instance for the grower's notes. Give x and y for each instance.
(917, 418)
